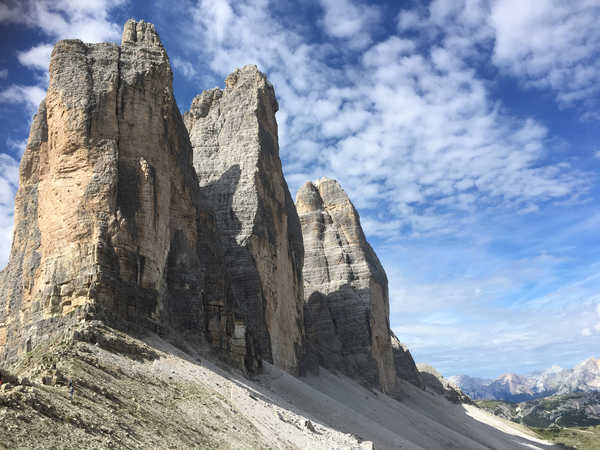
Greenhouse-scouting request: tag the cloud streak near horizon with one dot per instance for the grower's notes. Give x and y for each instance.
(405, 108)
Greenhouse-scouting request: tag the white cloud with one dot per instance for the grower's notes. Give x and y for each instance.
(409, 20)
(19, 146)
(418, 133)
(550, 44)
(30, 96)
(185, 67)
(350, 20)
(9, 179)
(37, 57)
(66, 19)
(586, 332)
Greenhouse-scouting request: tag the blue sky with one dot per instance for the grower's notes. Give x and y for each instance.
(467, 133)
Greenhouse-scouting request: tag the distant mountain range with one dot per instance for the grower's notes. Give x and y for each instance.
(577, 409)
(584, 377)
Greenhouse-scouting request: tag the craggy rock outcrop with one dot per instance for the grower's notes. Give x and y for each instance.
(404, 363)
(434, 381)
(108, 219)
(236, 156)
(346, 292)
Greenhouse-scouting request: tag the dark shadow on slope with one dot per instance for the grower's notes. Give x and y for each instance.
(422, 418)
(339, 334)
(434, 381)
(339, 337)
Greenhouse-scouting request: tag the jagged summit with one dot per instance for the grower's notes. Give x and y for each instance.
(141, 33)
(584, 377)
(346, 293)
(108, 221)
(236, 156)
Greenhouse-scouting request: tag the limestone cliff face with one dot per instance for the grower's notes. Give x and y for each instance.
(108, 217)
(236, 156)
(346, 291)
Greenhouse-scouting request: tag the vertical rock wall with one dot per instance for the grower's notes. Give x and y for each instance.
(108, 216)
(345, 288)
(236, 156)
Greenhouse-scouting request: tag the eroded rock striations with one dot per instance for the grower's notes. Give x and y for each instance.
(346, 292)
(236, 156)
(108, 217)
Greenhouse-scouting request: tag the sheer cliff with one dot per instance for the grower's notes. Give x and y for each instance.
(346, 292)
(236, 156)
(109, 221)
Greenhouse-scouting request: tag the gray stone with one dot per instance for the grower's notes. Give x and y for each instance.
(236, 156)
(346, 291)
(109, 219)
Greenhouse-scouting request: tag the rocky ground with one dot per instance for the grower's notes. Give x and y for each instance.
(147, 393)
(128, 394)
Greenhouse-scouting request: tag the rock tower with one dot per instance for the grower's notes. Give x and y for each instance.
(236, 156)
(109, 221)
(346, 291)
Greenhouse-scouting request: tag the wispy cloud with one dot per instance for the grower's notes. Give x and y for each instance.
(184, 67)
(552, 45)
(30, 96)
(62, 19)
(350, 20)
(37, 57)
(402, 127)
(9, 179)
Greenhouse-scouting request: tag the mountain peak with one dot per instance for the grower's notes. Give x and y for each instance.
(141, 32)
(585, 377)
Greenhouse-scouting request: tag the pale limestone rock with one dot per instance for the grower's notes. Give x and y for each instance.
(236, 156)
(108, 219)
(346, 292)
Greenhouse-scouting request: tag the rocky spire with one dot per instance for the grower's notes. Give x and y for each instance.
(346, 291)
(236, 156)
(108, 220)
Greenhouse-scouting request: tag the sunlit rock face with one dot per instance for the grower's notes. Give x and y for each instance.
(346, 291)
(109, 221)
(236, 156)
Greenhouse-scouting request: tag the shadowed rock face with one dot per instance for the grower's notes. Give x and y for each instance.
(236, 156)
(346, 291)
(108, 216)
(404, 363)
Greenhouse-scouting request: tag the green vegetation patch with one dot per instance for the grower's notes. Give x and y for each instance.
(581, 438)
